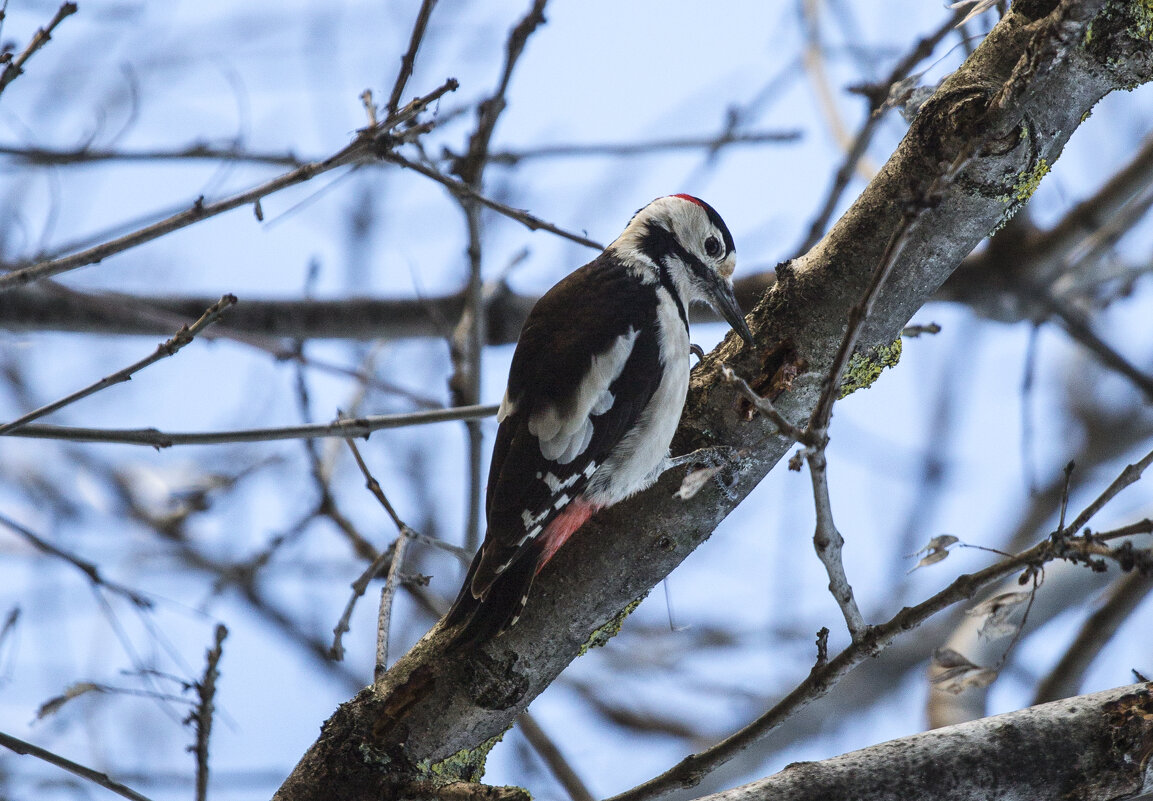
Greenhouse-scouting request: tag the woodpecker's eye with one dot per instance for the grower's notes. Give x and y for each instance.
(712, 247)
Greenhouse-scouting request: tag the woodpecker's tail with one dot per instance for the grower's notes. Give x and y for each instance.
(481, 619)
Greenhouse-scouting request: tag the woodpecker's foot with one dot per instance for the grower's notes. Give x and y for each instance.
(697, 351)
(717, 463)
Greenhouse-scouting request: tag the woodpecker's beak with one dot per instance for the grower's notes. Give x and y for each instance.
(725, 302)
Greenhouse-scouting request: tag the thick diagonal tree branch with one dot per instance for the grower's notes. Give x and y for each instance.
(1090, 747)
(997, 115)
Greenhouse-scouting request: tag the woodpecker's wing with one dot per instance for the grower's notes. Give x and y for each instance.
(586, 365)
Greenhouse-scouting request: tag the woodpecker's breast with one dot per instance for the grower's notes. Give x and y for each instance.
(638, 459)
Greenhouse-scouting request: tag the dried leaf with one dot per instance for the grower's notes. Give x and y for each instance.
(956, 673)
(979, 7)
(52, 705)
(997, 611)
(936, 550)
(693, 481)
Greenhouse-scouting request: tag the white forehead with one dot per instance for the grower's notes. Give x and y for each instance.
(686, 219)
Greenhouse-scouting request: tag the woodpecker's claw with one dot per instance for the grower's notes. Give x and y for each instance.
(698, 351)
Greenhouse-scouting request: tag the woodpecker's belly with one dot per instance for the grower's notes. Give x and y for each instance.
(640, 457)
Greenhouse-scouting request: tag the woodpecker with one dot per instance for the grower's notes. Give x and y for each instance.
(595, 393)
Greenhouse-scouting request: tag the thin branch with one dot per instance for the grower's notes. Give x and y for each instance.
(54, 157)
(201, 718)
(169, 348)
(829, 543)
(765, 407)
(470, 167)
(864, 137)
(396, 560)
(462, 190)
(408, 61)
(559, 766)
(348, 427)
(367, 140)
(95, 776)
(16, 66)
(515, 157)
(83, 565)
(1129, 475)
(1080, 330)
(1096, 632)
(359, 587)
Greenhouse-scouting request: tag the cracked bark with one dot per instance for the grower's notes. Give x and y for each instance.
(1092, 746)
(997, 113)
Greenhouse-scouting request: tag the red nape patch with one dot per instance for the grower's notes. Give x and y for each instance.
(562, 527)
(691, 199)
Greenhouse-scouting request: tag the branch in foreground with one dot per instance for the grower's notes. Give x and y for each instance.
(95, 776)
(1092, 747)
(345, 428)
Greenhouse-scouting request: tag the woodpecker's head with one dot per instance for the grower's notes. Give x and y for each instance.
(683, 243)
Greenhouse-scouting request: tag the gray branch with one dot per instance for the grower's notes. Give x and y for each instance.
(1091, 747)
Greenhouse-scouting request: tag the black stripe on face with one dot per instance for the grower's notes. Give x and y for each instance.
(667, 283)
(658, 244)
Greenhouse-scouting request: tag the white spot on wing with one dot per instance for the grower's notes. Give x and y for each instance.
(563, 437)
(555, 485)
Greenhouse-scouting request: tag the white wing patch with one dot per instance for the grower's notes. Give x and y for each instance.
(507, 407)
(564, 437)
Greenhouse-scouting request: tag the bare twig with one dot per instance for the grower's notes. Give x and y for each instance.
(83, 565)
(94, 776)
(463, 190)
(765, 407)
(366, 141)
(16, 66)
(466, 348)
(864, 137)
(359, 586)
(1129, 475)
(396, 560)
(31, 154)
(829, 543)
(348, 427)
(514, 157)
(201, 718)
(408, 61)
(169, 348)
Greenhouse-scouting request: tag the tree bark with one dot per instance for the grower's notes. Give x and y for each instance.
(433, 716)
(1090, 747)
